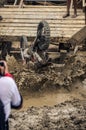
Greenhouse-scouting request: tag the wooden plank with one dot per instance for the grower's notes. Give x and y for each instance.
(57, 25)
(48, 14)
(36, 21)
(52, 17)
(37, 8)
(29, 32)
(25, 25)
(34, 33)
(35, 29)
(41, 6)
(30, 28)
(37, 13)
(33, 12)
(79, 36)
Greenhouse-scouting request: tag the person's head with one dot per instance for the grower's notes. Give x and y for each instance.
(2, 68)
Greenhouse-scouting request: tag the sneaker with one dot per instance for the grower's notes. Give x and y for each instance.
(74, 16)
(1, 18)
(66, 15)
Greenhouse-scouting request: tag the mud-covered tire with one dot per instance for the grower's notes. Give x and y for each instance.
(43, 35)
(23, 42)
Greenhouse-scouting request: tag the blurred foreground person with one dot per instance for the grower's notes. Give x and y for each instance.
(68, 9)
(9, 97)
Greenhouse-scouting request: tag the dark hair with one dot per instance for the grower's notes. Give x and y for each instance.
(2, 64)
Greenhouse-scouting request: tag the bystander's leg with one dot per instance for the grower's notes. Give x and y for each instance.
(68, 9)
(75, 8)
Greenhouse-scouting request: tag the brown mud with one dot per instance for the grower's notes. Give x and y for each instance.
(70, 115)
(54, 96)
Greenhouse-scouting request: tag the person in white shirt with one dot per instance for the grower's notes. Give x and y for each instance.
(10, 96)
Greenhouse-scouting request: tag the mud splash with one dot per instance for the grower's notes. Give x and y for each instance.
(54, 97)
(50, 98)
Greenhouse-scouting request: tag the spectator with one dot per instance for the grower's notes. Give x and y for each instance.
(9, 96)
(4, 69)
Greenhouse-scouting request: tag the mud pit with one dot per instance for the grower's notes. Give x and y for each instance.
(54, 96)
(68, 115)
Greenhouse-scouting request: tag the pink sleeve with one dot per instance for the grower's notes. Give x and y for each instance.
(9, 75)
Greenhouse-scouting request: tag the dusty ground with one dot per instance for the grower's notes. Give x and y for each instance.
(54, 96)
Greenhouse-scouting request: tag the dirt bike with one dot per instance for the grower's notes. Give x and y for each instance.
(37, 51)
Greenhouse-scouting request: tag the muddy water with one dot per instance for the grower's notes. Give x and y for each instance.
(50, 98)
(39, 99)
